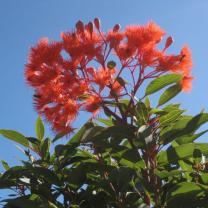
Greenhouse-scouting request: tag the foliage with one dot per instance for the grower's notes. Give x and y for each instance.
(137, 155)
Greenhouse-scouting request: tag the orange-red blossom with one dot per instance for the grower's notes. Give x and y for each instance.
(74, 73)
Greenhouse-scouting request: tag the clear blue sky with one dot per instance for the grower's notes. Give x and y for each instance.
(23, 22)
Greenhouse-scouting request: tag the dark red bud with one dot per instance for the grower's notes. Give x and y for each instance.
(36, 96)
(80, 26)
(168, 42)
(116, 28)
(90, 27)
(97, 23)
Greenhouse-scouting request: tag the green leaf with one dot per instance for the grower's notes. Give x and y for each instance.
(144, 136)
(157, 111)
(45, 148)
(58, 136)
(187, 194)
(174, 154)
(5, 165)
(120, 131)
(184, 126)
(77, 138)
(187, 168)
(141, 113)
(162, 82)
(6, 184)
(136, 166)
(15, 136)
(47, 174)
(204, 178)
(170, 117)
(171, 107)
(21, 202)
(107, 122)
(13, 173)
(165, 174)
(32, 201)
(189, 138)
(196, 122)
(35, 143)
(176, 129)
(147, 102)
(169, 93)
(63, 150)
(39, 128)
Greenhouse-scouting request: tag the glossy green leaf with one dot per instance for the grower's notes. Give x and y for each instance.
(190, 137)
(171, 107)
(47, 174)
(39, 128)
(15, 136)
(204, 178)
(45, 148)
(141, 113)
(5, 165)
(184, 126)
(118, 131)
(185, 166)
(170, 117)
(187, 194)
(147, 102)
(174, 154)
(13, 172)
(6, 184)
(169, 93)
(58, 136)
(77, 138)
(165, 174)
(107, 122)
(196, 122)
(33, 201)
(161, 82)
(157, 111)
(34, 143)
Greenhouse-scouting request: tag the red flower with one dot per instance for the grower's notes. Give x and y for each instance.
(114, 38)
(62, 115)
(123, 51)
(181, 63)
(82, 44)
(150, 57)
(144, 36)
(186, 83)
(93, 103)
(43, 62)
(102, 77)
(186, 60)
(72, 74)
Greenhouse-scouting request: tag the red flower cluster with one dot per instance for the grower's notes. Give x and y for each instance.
(75, 73)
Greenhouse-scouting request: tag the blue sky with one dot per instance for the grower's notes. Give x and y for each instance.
(24, 22)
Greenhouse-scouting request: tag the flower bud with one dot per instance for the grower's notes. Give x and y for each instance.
(80, 26)
(90, 27)
(97, 23)
(168, 42)
(116, 28)
(121, 81)
(111, 64)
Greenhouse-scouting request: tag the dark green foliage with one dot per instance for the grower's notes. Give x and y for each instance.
(150, 157)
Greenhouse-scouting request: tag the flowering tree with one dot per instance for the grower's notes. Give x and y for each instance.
(139, 154)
